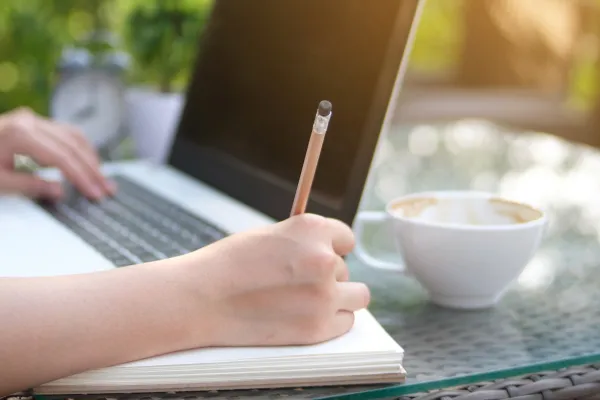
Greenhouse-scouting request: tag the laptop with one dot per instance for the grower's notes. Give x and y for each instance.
(262, 68)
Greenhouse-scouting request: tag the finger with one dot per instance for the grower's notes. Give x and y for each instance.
(28, 185)
(342, 322)
(74, 138)
(342, 237)
(80, 150)
(353, 296)
(48, 152)
(7, 161)
(341, 270)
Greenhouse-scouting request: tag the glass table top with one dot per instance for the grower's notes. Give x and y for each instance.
(550, 317)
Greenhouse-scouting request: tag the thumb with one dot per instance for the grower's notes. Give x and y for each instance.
(342, 323)
(28, 185)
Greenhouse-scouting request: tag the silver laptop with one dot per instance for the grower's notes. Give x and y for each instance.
(262, 68)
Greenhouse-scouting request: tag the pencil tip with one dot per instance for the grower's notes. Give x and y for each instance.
(324, 108)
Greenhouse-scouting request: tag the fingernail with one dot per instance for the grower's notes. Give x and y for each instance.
(54, 191)
(97, 192)
(111, 187)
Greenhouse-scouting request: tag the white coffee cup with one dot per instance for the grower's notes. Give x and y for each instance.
(464, 247)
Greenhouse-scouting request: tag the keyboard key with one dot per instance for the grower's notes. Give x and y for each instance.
(135, 226)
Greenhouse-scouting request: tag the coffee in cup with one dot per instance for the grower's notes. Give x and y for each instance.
(464, 247)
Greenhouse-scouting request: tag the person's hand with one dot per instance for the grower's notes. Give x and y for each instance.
(50, 144)
(284, 284)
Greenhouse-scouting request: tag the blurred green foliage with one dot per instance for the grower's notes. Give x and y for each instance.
(438, 39)
(161, 35)
(31, 34)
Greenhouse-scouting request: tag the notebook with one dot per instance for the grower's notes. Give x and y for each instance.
(364, 355)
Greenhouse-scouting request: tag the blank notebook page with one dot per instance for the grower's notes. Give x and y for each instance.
(366, 336)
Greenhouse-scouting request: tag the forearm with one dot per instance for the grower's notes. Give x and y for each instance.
(58, 326)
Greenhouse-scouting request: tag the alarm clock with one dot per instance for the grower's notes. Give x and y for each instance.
(90, 95)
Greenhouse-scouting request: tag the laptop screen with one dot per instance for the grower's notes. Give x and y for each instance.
(263, 67)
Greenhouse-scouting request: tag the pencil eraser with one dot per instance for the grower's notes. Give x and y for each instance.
(324, 108)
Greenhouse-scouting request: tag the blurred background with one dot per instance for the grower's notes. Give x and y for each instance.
(531, 64)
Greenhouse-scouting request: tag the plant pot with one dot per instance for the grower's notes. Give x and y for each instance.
(152, 118)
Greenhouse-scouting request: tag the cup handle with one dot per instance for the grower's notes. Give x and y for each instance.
(362, 219)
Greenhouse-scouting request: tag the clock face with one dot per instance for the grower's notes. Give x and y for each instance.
(93, 101)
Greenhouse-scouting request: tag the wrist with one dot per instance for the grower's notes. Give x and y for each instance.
(181, 300)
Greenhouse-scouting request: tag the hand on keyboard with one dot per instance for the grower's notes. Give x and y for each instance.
(50, 144)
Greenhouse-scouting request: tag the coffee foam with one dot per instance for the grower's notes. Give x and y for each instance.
(465, 211)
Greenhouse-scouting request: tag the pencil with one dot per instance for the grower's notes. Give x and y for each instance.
(311, 159)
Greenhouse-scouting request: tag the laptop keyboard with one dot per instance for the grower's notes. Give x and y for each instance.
(135, 225)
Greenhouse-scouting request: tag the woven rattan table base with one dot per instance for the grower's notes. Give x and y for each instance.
(572, 383)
